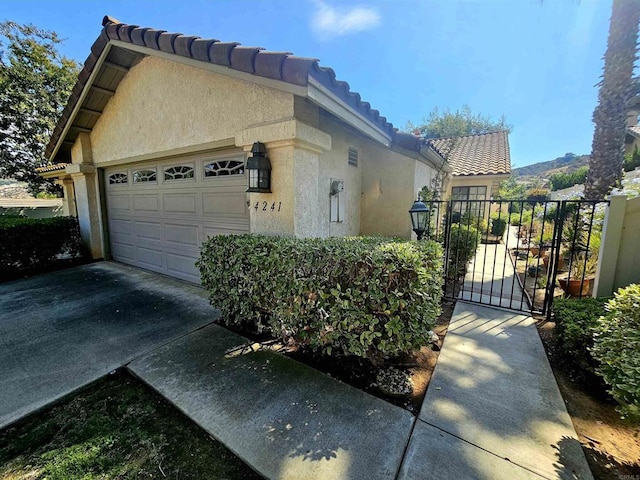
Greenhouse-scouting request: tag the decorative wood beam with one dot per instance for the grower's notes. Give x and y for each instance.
(97, 113)
(116, 66)
(81, 129)
(104, 91)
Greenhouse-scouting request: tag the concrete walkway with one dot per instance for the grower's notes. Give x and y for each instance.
(286, 420)
(493, 409)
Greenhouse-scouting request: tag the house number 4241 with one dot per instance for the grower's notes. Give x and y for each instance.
(264, 206)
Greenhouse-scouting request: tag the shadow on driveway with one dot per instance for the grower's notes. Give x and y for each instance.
(63, 330)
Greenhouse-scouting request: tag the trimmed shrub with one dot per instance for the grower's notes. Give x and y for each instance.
(365, 296)
(498, 226)
(463, 243)
(575, 321)
(35, 242)
(616, 345)
(523, 218)
(468, 219)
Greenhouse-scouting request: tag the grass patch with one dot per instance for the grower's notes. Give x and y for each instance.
(117, 428)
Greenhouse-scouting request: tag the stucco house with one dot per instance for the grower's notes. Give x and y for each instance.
(152, 150)
(632, 138)
(479, 163)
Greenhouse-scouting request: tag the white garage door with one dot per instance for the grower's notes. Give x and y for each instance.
(160, 213)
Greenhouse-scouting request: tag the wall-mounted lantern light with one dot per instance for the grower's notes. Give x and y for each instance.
(419, 218)
(259, 167)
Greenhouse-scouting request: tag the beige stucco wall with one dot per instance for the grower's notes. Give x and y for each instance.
(334, 164)
(162, 105)
(388, 191)
(628, 264)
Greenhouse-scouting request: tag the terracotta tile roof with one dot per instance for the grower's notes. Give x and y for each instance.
(52, 168)
(634, 131)
(481, 154)
(281, 66)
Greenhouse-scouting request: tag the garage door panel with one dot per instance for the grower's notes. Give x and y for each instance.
(221, 203)
(149, 256)
(182, 234)
(146, 203)
(148, 230)
(123, 252)
(180, 203)
(119, 203)
(121, 226)
(182, 264)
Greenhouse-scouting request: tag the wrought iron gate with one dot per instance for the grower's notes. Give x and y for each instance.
(517, 254)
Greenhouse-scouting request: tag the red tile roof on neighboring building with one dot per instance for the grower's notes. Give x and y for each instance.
(481, 154)
(52, 168)
(634, 130)
(281, 66)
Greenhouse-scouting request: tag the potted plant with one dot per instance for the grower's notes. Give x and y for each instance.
(580, 279)
(541, 242)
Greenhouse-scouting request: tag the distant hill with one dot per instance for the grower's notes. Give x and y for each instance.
(565, 164)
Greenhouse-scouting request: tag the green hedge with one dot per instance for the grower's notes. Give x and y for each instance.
(575, 321)
(27, 243)
(498, 226)
(616, 346)
(463, 243)
(366, 296)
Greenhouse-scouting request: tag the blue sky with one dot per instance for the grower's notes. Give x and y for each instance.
(535, 62)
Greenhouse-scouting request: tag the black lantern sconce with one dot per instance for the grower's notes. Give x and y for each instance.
(419, 218)
(259, 168)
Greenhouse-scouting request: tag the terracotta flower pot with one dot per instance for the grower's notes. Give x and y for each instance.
(577, 288)
(547, 260)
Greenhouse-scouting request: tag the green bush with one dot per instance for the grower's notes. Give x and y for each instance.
(498, 226)
(537, 195)
(468, 219)
(35, 242)
(365, 296)
(522, 218)
(575, 322)
(463, 243)
(616, 345)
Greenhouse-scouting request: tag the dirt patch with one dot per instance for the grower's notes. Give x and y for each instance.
(361, 373)
(611, 445)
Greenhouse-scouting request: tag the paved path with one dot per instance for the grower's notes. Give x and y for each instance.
(493, 409)
(284, 419)
(63, 330)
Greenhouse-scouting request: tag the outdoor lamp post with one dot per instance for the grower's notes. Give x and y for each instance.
(419, 218)
(259, 167)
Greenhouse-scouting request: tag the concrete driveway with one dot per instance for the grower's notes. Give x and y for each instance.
(63, 330)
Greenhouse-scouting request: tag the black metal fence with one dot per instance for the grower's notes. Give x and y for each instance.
(517, 254)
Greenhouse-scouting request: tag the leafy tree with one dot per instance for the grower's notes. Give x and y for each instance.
(632, 160)
(616, 90)
(446, 123)
(511, 190)
(565, 180)
(35, 82)
(538, 195)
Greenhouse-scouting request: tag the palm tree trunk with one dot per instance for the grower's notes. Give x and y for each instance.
(616, 89)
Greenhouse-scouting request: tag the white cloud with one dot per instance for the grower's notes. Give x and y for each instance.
(330, 22)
